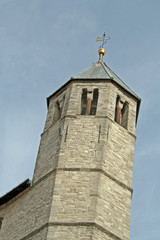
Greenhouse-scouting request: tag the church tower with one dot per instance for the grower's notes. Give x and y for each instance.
(82, 184)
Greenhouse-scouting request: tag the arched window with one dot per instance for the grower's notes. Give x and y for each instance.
(118, 110)
(89, 101)
(125, 109)
(121, 112)
(57, 112)
(84, 101)
(94, 102)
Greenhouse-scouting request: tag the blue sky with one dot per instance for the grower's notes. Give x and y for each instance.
(45, 42)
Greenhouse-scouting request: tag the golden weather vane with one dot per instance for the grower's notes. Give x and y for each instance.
(104, 39)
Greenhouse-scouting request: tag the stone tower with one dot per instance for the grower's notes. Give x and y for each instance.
(82, 184)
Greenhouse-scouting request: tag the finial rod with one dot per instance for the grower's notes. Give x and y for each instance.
(101, 53)
(104, 40)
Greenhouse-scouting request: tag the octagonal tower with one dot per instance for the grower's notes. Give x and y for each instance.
(82, 184)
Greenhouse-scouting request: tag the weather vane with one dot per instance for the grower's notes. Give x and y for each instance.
(104, 39)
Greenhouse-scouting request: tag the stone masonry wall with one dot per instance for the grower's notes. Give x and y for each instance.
(74, 196)
(77, 233)
(47, 158)
(113, 207)
(28, 213)
(50, 139)
(94, 168)
(118, 154)
(98, 141)
(70, 233)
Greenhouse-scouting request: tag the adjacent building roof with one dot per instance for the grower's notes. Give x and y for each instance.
(14, 192)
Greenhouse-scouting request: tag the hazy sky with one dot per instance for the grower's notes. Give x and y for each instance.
(45, 42)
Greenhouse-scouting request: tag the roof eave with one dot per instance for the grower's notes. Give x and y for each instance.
(63, 87)
(72, 79)
(15, 191)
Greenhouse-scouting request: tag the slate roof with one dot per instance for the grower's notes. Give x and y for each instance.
(100, 70)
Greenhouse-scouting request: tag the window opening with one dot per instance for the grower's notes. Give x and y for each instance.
(57, 112)
(58, 109)
(121, 112)
(89, 102)
(125, 115)
(117, 110)
(94, 102)
(84, 101)
(1, 219)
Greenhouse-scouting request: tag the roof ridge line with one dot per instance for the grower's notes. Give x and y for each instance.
(119, 78)
(103, 65)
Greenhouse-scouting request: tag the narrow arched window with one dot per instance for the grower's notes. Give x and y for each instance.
(57, 112)
(118, 111)
(84, 101)
(121, 112)
(125, 109)
(89, 101)
(1, 219)
(94, 102)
